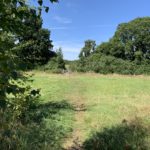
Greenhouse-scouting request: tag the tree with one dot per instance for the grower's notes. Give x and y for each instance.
(88, 48)
(60, 61)
(13, 14)
(131, 41)
(38, 50)
(35, 44)
(16, 98)
(127, 52)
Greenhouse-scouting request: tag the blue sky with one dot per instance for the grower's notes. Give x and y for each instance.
(71, 22)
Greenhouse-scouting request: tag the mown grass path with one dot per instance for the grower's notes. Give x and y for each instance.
(78, 100)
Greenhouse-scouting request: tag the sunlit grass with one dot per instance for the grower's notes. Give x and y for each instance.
(108, 99)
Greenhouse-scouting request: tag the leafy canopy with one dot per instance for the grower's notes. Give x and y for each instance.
(127, 52)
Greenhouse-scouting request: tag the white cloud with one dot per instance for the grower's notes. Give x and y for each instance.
(72, 6)
(70, 50)
(62, 20)
(58, 28)
(83, 27)
(68, 46)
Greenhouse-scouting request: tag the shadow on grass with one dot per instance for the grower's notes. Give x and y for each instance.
(49, 110)
(127, 136)
(48, 132)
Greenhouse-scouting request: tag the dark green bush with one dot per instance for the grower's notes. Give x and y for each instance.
(39, 129)
(127, 136)
(104, 64)
(55, 65)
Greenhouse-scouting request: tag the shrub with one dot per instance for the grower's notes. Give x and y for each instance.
(126, 136)
(40, 128)
(104, 64)
(53, 66)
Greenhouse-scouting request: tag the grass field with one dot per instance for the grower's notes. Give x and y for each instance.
(96, 102)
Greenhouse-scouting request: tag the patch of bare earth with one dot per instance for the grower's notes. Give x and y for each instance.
(78, 101)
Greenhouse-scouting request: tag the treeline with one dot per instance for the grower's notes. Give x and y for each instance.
(127, 52)
(34, 47)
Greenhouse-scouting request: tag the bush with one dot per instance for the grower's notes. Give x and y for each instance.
(104, 64)
(40, 128)
(127, 136)
(53, 66)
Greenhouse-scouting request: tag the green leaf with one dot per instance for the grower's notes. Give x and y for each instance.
(46, 9)
(40, 2)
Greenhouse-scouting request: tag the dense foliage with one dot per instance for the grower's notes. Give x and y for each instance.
(88, 49)
(127, 52)
(18, 45)
(35, 44)
(56, 64)
(128, 135)
(130, 42)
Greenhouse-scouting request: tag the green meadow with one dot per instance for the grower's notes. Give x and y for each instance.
(90, 103)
